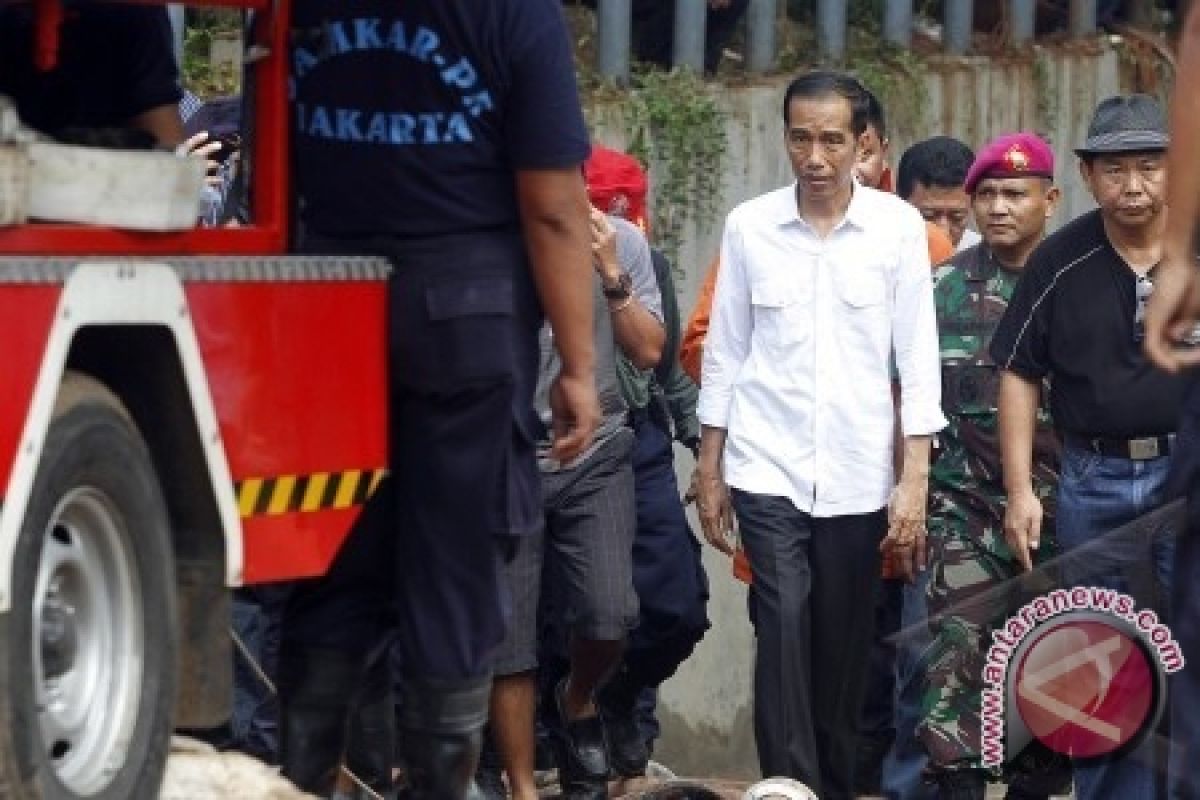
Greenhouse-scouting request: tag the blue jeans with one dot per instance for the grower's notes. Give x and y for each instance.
(1096, 496)
(905, 763)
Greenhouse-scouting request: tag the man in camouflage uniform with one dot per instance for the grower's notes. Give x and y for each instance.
(975, 578)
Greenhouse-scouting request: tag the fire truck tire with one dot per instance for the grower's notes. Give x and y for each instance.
(89, 649)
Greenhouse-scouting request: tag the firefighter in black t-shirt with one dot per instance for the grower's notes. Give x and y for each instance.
(447, 137)
(1171, 320)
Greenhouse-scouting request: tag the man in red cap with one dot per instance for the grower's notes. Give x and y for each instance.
(1012, 195)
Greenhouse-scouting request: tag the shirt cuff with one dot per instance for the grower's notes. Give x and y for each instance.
(713, 409)
(921, 419)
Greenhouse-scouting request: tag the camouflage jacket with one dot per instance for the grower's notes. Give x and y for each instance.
(966, 493)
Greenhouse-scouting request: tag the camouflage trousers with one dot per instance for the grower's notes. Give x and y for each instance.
(975, 585)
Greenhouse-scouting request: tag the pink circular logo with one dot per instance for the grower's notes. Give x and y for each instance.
(1085, 688)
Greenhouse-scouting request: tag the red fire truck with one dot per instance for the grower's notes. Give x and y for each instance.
(180, 413)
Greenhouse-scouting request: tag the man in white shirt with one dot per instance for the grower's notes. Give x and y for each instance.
(825, 283)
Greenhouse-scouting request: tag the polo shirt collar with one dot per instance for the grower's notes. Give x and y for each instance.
(858, 213)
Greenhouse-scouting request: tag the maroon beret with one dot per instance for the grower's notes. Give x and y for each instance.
(1013, 155)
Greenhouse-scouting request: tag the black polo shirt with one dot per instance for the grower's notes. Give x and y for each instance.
(1072, 318)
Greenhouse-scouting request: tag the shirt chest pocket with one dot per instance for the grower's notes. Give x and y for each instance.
(862, 290)
(782, 312)
(970, 387)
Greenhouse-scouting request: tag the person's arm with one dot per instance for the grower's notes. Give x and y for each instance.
(1175, 305)
(639, 333)
(1018, 404)
(161, 122)
(682, 395)
(691, 352)
(915, 345)
(554, 218)
(726, 349)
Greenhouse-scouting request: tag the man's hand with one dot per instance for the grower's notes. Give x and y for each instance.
(202, 145)
(1023, 525)
(1172, 314)
(906, 537)
(574, 414)
(716, 512)
(604, 246)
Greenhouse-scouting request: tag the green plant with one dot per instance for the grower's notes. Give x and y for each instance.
(676, 127)
(199, 75)
(898, 78)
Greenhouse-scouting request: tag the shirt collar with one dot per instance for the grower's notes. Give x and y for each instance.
(857, 213)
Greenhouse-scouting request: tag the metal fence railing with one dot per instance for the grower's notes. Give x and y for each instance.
(762, 19)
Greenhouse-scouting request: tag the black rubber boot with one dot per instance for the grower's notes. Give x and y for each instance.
(966, 784)
(442, 731)
(372, 737)
(315, 690)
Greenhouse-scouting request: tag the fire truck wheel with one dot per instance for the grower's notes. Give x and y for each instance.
(88, 651)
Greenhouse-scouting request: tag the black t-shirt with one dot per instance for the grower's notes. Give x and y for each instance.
(410, 117)
(1072, 318)
(115, 61)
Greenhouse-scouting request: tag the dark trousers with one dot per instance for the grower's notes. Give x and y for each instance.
(814, 582)
(668, 575)
(877, 720)
(1184, 685)
(463, 350)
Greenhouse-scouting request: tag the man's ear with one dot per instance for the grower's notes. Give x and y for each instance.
(1053, 196)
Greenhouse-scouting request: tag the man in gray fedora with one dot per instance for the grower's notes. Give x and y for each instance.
(1076, 317)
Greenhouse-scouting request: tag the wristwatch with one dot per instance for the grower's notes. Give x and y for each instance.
(621, 290)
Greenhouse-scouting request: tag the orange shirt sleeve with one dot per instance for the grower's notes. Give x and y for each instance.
(691, 350)
(941, 249)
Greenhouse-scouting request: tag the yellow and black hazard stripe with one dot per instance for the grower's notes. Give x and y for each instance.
(320, 491)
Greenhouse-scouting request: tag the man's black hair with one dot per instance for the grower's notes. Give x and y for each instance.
(875, 116)
(824, 83)
(940, 162)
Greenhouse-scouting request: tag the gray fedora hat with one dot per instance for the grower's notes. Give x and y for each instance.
(1126, 124)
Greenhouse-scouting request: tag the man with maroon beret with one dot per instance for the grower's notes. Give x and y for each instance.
(1011, 186)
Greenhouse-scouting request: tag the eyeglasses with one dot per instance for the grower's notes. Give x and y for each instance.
(1142, 291)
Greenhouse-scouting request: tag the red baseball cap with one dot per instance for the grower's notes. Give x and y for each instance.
(1013, 155)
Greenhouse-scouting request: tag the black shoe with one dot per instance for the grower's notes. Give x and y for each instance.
(965, 784)
(442, 735)
(582, 753)
(315, 688)
(628, 754)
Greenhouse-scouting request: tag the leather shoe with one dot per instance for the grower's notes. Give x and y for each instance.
(582, 752)
(627, 751)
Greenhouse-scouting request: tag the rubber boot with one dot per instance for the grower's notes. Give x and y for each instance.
(442, 732)
(371, 747)
(315, 690)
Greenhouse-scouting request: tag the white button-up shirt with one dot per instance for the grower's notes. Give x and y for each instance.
(798, 358)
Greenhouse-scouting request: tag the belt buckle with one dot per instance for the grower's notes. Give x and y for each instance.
(1144, 449)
